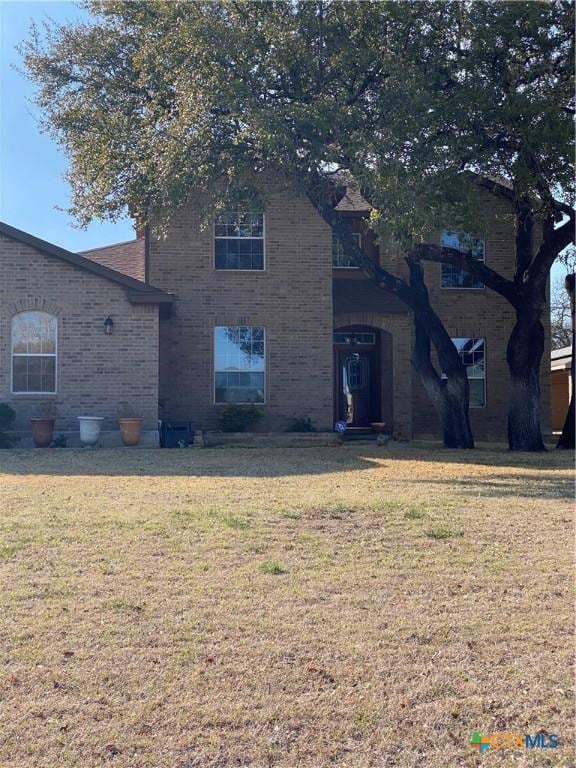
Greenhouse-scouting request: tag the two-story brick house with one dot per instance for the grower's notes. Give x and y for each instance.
(265, 309)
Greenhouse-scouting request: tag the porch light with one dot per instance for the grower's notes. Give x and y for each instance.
(108, 325)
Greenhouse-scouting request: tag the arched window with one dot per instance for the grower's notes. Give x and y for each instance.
(34, 352)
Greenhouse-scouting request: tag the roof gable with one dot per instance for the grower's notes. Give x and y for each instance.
(138, 292)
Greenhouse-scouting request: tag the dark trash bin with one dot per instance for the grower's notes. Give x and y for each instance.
(175, 433)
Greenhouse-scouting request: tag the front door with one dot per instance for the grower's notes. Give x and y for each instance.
(358, 398)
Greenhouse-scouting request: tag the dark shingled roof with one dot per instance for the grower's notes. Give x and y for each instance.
(138, 292)
(352, 201)
(128, 257)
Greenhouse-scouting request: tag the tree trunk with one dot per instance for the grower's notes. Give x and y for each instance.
(567, 438)
(449, 392)
(448, 396)
(524, 354)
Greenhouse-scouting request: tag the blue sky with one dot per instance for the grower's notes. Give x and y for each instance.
(32, 165)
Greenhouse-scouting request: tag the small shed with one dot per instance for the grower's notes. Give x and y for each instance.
(561, 389)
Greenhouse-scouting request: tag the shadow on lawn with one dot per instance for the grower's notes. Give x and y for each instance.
(302, 460)
(219, 462)
(517, 484)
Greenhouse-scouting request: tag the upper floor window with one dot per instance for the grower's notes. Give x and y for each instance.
(455, 277)
(34, 337)
(339, 258)
(239, 241)
(239, 364)
(472, 354)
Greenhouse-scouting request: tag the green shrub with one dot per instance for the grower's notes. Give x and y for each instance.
(238, 418)
(301, 424)
(7, 417)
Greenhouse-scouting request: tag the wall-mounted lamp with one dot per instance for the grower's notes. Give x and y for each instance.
(108, 325)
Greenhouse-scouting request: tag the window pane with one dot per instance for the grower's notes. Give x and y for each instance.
(239, 360)
(19, 374)
(239, 388)
(34, 333)
(454, 277)
(239, 241)
(472, 355)
(35, 373)
(338, 258)
(48, 374)
(477, 392)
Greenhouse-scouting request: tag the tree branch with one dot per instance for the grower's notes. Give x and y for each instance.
(552, 245)
(490, 278)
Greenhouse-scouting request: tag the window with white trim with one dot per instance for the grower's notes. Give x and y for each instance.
(34, 340)
(239, 364)
(339, 259)
(456, 277)
(239, 241)
(473, 356)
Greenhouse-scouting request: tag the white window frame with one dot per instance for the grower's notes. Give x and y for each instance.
(480, 378)
(227, 237)
(335, 239)
(215, 370)
(482, 260)
(33, 354)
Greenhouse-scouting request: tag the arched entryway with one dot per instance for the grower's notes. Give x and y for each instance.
(362, 376)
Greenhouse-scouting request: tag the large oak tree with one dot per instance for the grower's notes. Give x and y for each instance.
(156, 99)
(415, 100)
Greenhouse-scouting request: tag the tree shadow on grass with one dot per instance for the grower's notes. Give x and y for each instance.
(297, 460)
(217, 462)
(520, 485)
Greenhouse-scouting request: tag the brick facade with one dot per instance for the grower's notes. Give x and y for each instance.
(291, 299)
(97, 374)
(483, 313)
(298, 298)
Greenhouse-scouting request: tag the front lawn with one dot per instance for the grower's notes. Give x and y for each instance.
(307, 607)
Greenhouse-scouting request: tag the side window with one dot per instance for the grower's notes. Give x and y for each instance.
(339, 259)
(454, 277)
(239, 241)
(34, 350)
(473, 355)
(239, 364)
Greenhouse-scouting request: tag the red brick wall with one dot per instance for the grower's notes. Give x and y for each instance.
(292, 299)
(96, 373)
(482, 313)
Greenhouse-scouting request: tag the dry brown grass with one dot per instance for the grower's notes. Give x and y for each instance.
(347, 607)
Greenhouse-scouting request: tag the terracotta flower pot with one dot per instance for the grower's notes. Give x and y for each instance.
(42, 432)
(131, 429)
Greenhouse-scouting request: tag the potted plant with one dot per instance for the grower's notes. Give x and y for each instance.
(90, 427)
(43, 424)
(130, 426)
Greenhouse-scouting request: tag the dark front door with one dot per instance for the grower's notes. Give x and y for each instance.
(358, 397)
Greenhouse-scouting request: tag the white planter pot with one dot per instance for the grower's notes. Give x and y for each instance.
(90, 427)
